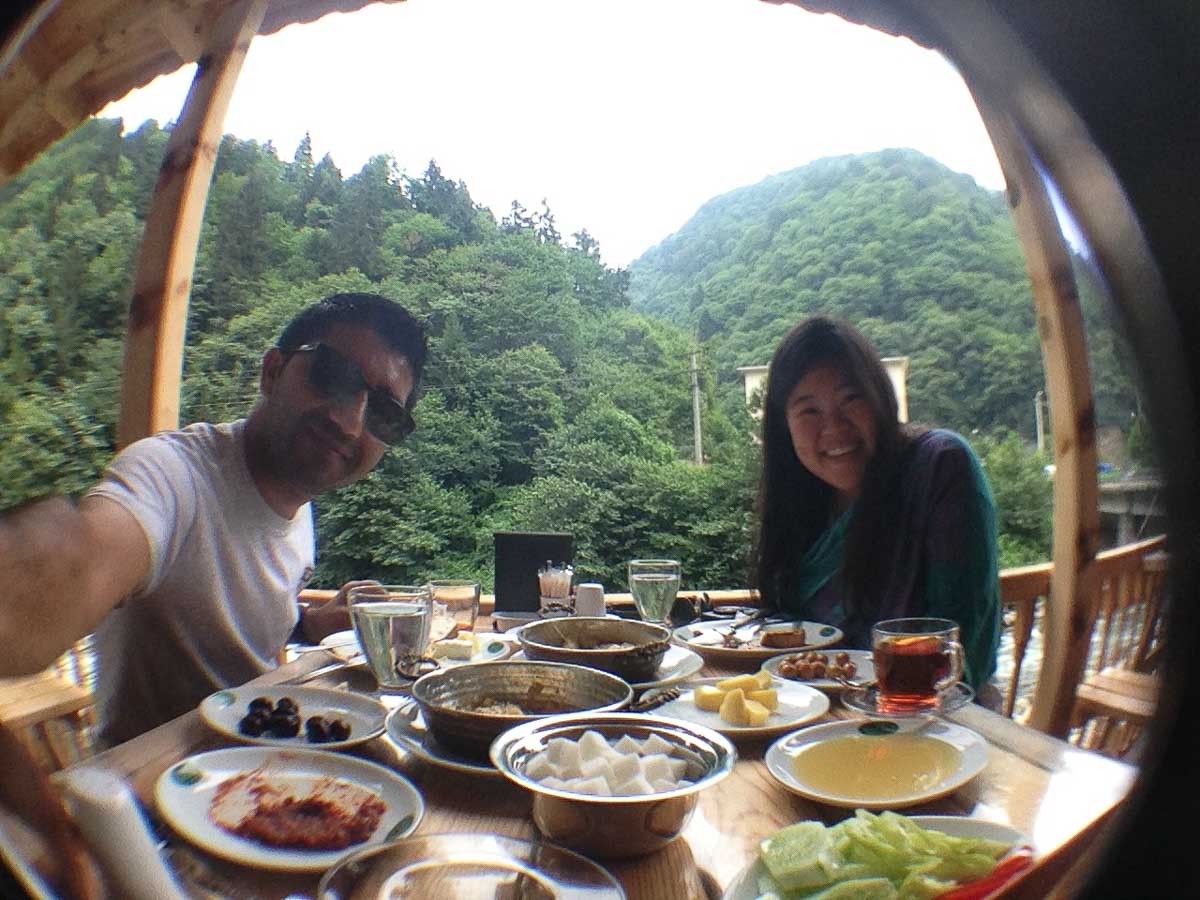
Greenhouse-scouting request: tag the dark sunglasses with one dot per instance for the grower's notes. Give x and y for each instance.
(337, 378)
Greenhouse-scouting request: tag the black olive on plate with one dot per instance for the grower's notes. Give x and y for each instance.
(338, 730)
(260, 703)
(315, 730)
(252, 725)
(286, 703)
(283, 725)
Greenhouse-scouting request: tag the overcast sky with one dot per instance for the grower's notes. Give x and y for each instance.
(626, 115)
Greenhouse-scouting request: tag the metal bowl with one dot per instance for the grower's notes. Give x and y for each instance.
(465, 866)
(576, 639)
(448, 698)
(614, 827)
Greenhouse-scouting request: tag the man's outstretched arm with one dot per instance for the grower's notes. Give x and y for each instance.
(63, 567)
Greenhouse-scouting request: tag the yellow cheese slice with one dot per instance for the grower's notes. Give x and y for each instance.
(708, 697)
(742, 682)
(766, 697)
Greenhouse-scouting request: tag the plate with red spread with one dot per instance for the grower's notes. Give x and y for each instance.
(293, 810)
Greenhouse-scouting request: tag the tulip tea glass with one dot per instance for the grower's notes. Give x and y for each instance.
(393, 624)
(915, 660)
(654, 584)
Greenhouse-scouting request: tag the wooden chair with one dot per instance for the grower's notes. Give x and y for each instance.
(52, 713)
(36, 830)
(1118, 695)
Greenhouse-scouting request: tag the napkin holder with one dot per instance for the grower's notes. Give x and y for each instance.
(519, 555)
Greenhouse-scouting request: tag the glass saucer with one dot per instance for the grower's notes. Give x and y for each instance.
(866, 701)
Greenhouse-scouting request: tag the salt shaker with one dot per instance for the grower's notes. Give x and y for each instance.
(589, 600)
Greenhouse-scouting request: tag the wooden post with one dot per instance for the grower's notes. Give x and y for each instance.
(153, 363)
(1073, 581)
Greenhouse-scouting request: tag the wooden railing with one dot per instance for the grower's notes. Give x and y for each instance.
(1126, 616)
(1020, 590)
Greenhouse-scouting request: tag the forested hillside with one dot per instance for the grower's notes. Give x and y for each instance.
(550, 404)
(921, 258)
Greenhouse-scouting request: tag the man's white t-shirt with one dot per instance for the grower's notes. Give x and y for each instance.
(225, 569)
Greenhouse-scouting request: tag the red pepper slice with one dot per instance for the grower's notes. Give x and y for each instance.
(1017, 861)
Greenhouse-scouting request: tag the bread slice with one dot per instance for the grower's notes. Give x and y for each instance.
(784, 637)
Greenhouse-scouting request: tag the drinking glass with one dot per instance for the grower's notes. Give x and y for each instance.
(457, 599)
(915, 660)
(654, 584)
(392, 623)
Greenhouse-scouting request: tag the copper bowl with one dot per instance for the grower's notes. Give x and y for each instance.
(578, 639)
(449, 698)
(615, 827)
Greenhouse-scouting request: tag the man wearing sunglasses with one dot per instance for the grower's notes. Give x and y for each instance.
(187, 558)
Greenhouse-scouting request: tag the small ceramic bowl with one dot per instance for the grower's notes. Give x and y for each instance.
(615, 827)
(451, 699)
(580, 640)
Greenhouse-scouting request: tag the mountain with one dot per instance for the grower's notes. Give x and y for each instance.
(921, 258)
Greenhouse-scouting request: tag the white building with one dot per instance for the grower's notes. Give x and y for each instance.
(755, 377)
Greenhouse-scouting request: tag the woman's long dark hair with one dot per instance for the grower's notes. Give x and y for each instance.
(794, 505)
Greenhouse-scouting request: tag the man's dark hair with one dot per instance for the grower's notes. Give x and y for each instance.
(399, 328)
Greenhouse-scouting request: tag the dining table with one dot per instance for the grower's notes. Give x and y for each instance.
(1061, 797)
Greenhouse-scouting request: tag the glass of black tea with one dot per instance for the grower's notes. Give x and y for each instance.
(915, 660)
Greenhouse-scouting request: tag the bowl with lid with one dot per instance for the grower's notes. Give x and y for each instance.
(626, 647)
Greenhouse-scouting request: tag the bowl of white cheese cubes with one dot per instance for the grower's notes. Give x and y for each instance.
(613, 785)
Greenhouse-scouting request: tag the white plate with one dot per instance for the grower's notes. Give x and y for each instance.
(406, 728)
(972, 757)
(745, 885)
(863, 661)
(184, 793)
(798, 705)
(702, 637)
(344, 645)
(678, 664)
(223, 710)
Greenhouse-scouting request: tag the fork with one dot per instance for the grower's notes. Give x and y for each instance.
(729, 632)
(654, 701)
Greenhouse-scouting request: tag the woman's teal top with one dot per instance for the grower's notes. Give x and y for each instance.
(943, 562)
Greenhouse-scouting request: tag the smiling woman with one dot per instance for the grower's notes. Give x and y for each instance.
(1054, 81)
(864, 518)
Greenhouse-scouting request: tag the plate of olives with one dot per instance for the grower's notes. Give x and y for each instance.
(291, 716)
(826, 670)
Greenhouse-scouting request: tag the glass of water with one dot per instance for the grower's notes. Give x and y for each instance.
(654, 584)
(392, 623)
(458, 599)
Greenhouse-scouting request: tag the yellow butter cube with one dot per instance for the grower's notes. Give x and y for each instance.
(708, 697)
(767, 698)
(740, 682)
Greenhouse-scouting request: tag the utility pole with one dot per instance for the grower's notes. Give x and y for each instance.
(696, 444)
(1037, 415)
